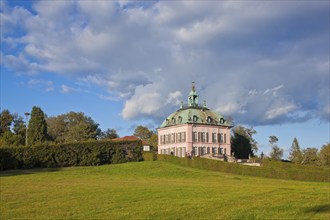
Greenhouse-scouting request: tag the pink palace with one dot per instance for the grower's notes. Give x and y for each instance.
(194, 130)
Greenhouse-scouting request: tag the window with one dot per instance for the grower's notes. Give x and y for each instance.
(183, 136)
(195, 118)
(209, 119)
(172, 138)
(167, 139)
(221, 138)
(224, 138)
(179, 119)
(214, 137)
(203, 137)
(195, 138)
(204, 151)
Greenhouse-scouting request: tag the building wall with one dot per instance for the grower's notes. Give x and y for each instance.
(198, 140)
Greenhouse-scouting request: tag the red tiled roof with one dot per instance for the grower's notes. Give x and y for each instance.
(129, 138)
(126, 138)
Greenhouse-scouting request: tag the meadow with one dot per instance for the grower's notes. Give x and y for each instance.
(156, 190)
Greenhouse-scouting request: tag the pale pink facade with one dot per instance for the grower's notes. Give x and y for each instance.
(194, 139)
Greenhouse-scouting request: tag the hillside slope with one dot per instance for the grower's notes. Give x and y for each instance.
(156, 190)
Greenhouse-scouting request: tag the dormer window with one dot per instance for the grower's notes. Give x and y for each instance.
(173, 120)
(195, 118)
(222, 121)
(179, 119)
(209, 119)
(167, 121)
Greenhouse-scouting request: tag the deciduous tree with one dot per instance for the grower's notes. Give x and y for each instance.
(153, 141)
(142, 132)
(276, 153)
(72, 127)
(324, 155)
(242, 142)
(6, 119)
(309, 156)
(109, 134)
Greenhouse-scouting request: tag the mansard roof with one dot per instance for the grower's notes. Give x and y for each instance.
(192, 113)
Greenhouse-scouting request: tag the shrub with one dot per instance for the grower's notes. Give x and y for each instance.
(71, 154)
(149, 156)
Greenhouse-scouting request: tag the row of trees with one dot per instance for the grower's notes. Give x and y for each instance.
(243, 146)
(309, 155)
(64, 128)
(70, 127)
(76, 127)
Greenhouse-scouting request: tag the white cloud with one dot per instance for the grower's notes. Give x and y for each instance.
(174, 98)
(46, 85)
(259, 62)
(279, 111)
(273, 90)
(67, 89)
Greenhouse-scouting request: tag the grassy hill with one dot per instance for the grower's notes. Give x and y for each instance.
(156, 190)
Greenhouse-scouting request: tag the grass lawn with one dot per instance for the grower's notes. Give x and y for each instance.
(156, 190)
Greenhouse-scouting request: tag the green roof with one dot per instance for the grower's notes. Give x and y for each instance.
(192, 113)
(195, 115)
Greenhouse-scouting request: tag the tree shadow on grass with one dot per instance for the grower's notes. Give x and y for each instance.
(8, 173)
(318, 209)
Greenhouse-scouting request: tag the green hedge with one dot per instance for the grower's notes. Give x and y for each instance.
(270, 172)
(149, 156)
(71, 154)
(289, 165)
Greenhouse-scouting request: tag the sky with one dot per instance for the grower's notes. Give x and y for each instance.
(127, 63)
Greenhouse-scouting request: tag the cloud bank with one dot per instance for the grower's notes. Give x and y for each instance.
(258, 62)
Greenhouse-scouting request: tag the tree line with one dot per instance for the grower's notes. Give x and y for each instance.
(64, 128)
(244, 146)
(77, 127)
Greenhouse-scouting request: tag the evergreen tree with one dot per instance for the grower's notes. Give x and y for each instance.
(37, 129)
(295, 152)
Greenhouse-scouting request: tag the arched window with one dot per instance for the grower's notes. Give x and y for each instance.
(195, 118)
(209, 119)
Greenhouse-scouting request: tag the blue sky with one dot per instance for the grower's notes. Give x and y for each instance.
(263, 63)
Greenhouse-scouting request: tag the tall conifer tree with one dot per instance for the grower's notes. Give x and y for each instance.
(37, 129)
(295, 152)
